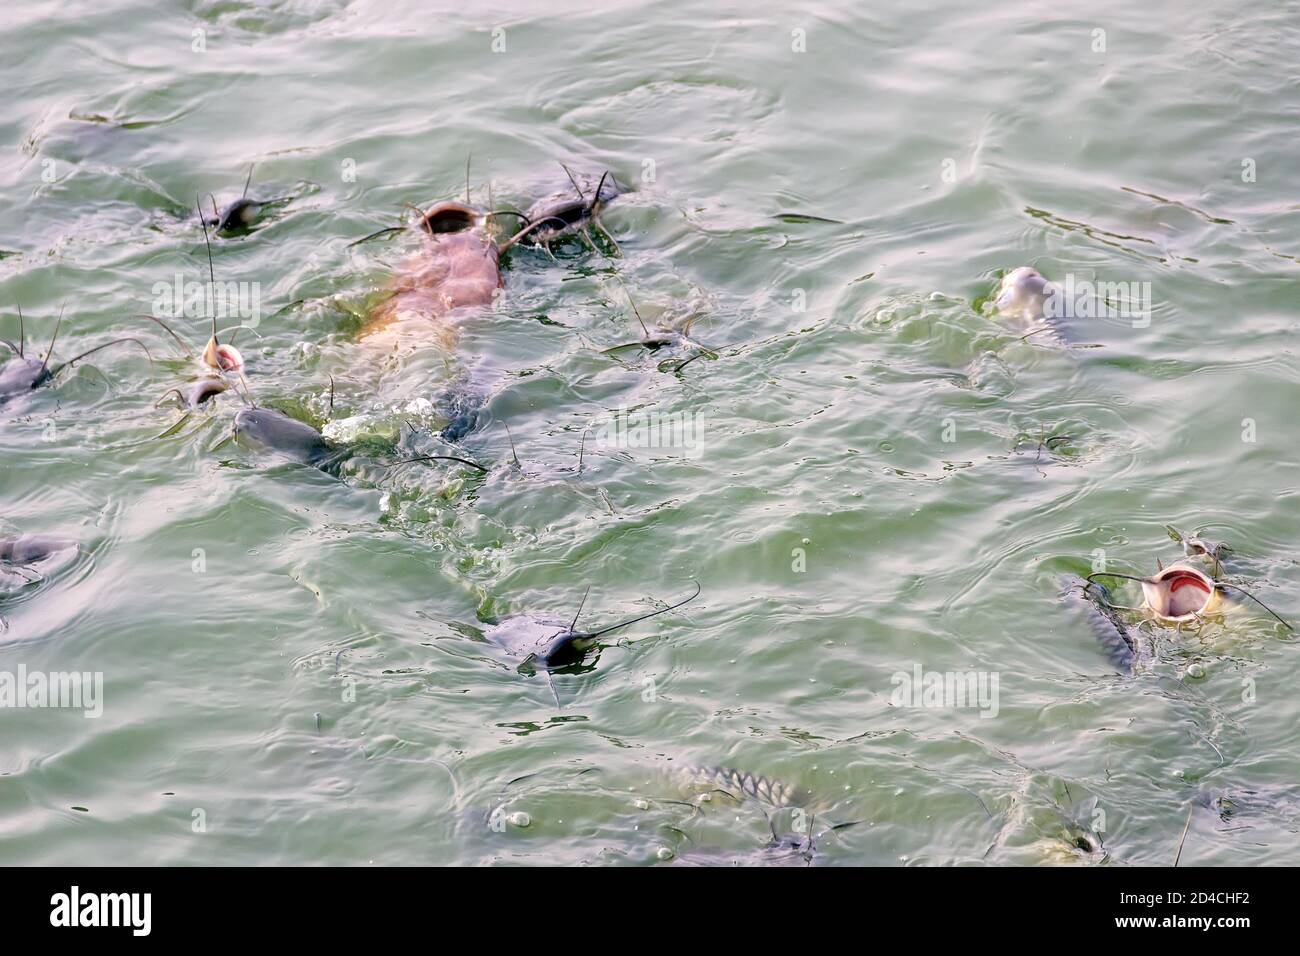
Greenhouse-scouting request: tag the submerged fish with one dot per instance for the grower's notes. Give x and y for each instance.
(1110, 629)
(1024, 294)
(740, 785)
(780, 802)
(1037, 303)
(30, 548)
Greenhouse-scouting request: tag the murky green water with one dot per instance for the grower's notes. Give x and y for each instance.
(292, 665)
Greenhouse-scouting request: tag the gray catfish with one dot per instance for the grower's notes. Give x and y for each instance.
(241, 215)
(566, 213)
(554, 645)
(21, 374)
(270, 430)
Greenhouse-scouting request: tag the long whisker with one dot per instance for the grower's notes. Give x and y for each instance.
(581, 195)
(527, 229)
(234, 329)
(1257, 601)
(22, 332)
(643, 617)
(375, 235)
(97, 348)
(168, 329)
(248, 181)
(631, 302)
(507, 212)
(582, 446)
(581, 605)
(605, 232)
(463, 461)
(595, 200)
(212, 273)
(681, 365)
(1110, 574)
(54, 338)
(244, 393)
(513, 454)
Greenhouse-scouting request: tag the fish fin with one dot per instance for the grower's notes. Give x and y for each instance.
(175, 427)
(551, 680)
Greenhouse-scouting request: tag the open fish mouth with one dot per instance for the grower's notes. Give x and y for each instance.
(1180, 593)
(450, 217)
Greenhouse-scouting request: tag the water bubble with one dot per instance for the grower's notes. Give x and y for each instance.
(519, 819)
(664, 853)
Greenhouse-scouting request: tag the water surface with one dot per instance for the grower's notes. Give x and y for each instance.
(292, 663)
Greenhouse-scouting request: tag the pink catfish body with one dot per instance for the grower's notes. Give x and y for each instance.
(457, 267)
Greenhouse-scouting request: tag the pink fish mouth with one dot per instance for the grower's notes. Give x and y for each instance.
(224, 358)
(229, 359)
(1180, 593)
